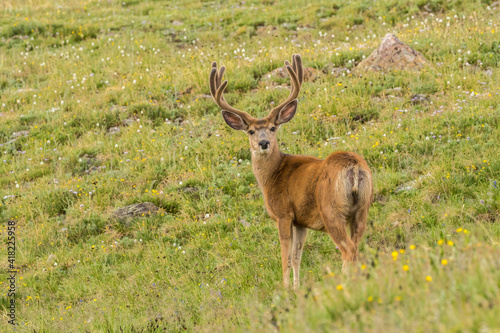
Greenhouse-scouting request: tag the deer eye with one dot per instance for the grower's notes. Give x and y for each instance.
(251, 132)
(273, 129)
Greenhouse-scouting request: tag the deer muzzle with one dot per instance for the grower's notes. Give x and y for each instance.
(264, 144)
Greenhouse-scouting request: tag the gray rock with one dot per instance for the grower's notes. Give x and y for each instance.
(21, 91)
(125, 214)
(392, 54)
(412, 184)
(189, 189)
(310, 75)
(8, 142)
(128, 122)
(335, 71)
(419, 99)
(114, 130)
(51, 259)
(245, 223)
(20, 133)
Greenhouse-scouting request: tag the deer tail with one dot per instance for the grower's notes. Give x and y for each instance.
(355, 181)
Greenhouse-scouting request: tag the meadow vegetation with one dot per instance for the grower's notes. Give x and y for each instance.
(104, 104)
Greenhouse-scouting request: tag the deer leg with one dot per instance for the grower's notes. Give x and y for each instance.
(285, 234)
(336, 226)
(358, 227)
(299, 237)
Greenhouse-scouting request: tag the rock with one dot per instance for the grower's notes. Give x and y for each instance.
(265, 29)
(245, 223)
(395, 99)
(403, 188)
(114, 130)
(185, 92)
(26, 90)
(412, 184)
(170, 32)
(382, 199)
(189, 189)
(279, 74)
(305, 28)
(128, 122)
(8, 142)
(427, 8)
(178, 120)
(51, 259)
(177, 23)
(125, 214)
(289, 26)
(335, 71)
(392, 54)
(419, 99)
(20, 133)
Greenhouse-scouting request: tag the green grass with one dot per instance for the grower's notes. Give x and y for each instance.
(72, 72)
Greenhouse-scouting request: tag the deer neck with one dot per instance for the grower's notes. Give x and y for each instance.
(265, 166)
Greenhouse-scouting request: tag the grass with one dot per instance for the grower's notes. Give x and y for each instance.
(72, 73)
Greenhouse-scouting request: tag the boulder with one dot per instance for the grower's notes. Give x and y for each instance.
(279, 74)
(393, 54)
(125, 214)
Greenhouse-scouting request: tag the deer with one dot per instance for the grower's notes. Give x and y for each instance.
(301, 192)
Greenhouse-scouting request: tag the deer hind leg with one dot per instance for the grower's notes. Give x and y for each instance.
(336, 223)
(358, 226)
(299, 237)
(285, 234)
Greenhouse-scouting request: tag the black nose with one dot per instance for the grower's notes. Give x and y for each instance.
(264, 144)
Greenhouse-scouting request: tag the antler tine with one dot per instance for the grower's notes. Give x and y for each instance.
(295, 72)
(217, 90)
(222, 69)
(212, 80)
(298, 68)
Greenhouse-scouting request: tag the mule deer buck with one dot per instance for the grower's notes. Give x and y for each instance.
(302, 192)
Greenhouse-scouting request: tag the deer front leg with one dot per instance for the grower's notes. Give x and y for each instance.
(299, 238)
(285, 234)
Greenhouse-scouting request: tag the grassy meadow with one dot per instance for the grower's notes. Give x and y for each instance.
(105, 103)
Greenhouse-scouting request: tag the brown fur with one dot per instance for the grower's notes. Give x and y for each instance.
(303, 192)
(306, 192)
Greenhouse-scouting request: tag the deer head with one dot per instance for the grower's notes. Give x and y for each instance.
(261, 132)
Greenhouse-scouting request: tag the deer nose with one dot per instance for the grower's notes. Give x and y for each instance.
(264, 144)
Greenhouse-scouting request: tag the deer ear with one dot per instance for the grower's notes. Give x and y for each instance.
(234, 121)
(287, 113)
